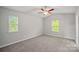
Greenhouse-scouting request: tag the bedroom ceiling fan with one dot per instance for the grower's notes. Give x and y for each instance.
(46, 11)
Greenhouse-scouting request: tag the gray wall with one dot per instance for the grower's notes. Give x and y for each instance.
(29, 26)
(77, 14)
(66, 25)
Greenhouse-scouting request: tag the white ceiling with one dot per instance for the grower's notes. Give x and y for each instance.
(64, 9)
(58, 9)
(22, 8)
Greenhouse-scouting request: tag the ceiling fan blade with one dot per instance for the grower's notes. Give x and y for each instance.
(42, 9)
(51, 10)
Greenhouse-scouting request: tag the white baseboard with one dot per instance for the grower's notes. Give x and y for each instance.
(59, 37)
(20, 40)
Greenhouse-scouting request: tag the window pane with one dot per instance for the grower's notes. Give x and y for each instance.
(55, 25)
(13, 23)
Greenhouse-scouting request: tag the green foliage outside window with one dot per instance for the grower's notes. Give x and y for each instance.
(13, 24)
(55, 25)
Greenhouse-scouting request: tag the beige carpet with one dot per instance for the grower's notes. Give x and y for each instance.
(43, 43)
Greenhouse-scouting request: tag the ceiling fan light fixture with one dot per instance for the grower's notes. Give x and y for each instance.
(46, 11)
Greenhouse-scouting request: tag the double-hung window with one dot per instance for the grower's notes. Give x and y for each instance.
(55, 25)
(13, 23)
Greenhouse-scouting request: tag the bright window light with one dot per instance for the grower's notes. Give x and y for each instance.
(55, 25)
(13, 23)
